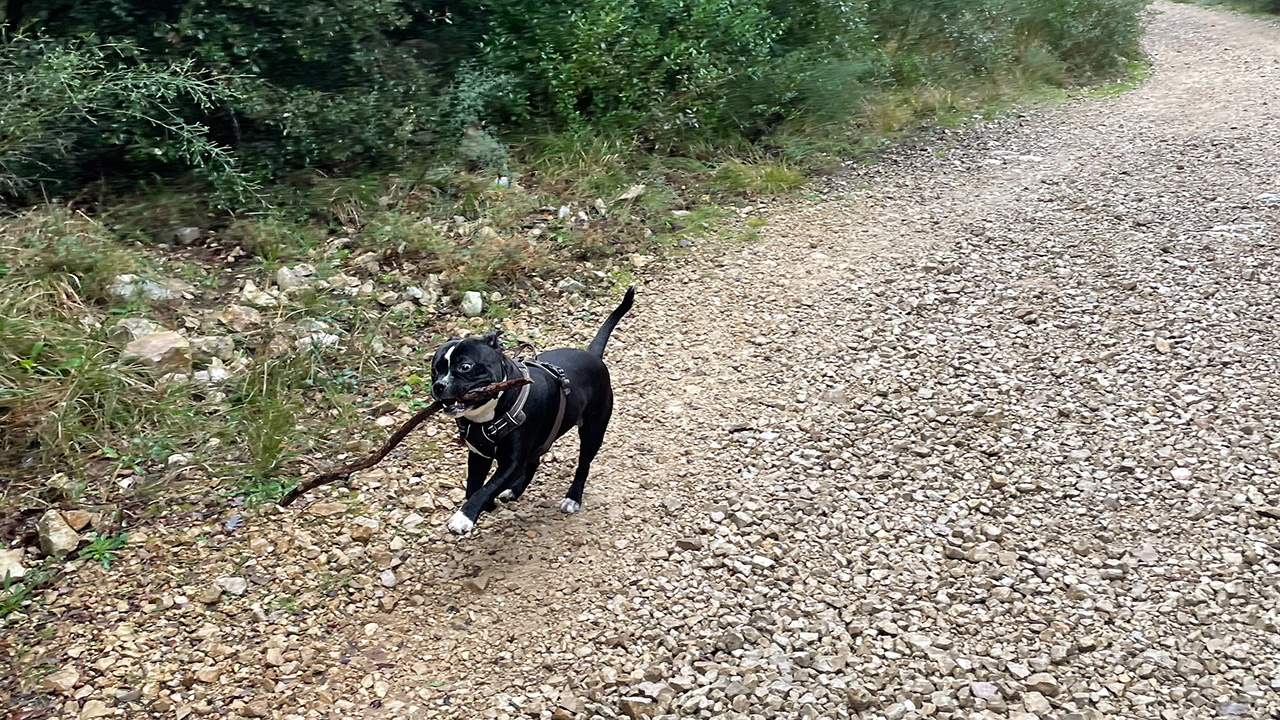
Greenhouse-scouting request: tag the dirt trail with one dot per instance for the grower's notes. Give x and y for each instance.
(986, 430)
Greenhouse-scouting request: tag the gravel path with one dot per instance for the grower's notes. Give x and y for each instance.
(987, 430)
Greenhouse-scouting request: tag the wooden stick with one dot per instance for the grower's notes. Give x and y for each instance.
(345, 471)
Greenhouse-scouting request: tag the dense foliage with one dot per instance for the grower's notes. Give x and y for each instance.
(62, 102)
(340, 83)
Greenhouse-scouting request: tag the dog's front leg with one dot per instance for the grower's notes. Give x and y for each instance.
(477, 470)
(465, 519)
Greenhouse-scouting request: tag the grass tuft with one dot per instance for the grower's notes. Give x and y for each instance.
(768, 177)
(102, 549)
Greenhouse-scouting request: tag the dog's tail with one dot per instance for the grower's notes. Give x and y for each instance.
(602, 338)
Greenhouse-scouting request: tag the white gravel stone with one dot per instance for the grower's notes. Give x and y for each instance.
(233, 585)
(472, 304)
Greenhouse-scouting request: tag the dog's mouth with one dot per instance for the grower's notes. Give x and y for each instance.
(454, 408)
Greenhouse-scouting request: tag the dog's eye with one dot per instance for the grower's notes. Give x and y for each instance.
(465, 367)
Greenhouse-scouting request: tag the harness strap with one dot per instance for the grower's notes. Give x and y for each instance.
(486, 444)
(482, 438)
(496, 429)
(560, 379)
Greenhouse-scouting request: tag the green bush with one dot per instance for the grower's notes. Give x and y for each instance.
(308, 83)
(630, 63)
(70, 107)
(342, 84)
(1087, 35)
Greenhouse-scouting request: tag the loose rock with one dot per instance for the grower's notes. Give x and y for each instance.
(62, 680)
(212, 347)
(133, 287)
(162, 352)
(472, 304)
(240, 318)
(129, 329)
(94, 709)
(234, 585)
(637, 708)
(56, 536)
(11, 564)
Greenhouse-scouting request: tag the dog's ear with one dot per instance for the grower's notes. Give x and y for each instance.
(493, 340)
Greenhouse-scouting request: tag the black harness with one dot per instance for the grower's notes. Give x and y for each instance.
(483, 438)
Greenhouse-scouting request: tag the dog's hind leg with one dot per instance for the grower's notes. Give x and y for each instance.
(590, 438)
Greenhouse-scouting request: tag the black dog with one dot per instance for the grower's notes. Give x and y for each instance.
(570, 387)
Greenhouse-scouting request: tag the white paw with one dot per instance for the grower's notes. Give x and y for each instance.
(569, 507)
(506, 495)
(460, 524)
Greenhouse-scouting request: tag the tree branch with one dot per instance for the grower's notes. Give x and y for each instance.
(345, 471)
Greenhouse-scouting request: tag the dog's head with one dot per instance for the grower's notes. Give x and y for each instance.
(460, 366)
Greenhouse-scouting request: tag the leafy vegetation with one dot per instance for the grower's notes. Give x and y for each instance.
(66, 102)
(135, 85)
(17, 593)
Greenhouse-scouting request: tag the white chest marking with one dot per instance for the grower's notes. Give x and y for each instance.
(484, 413)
